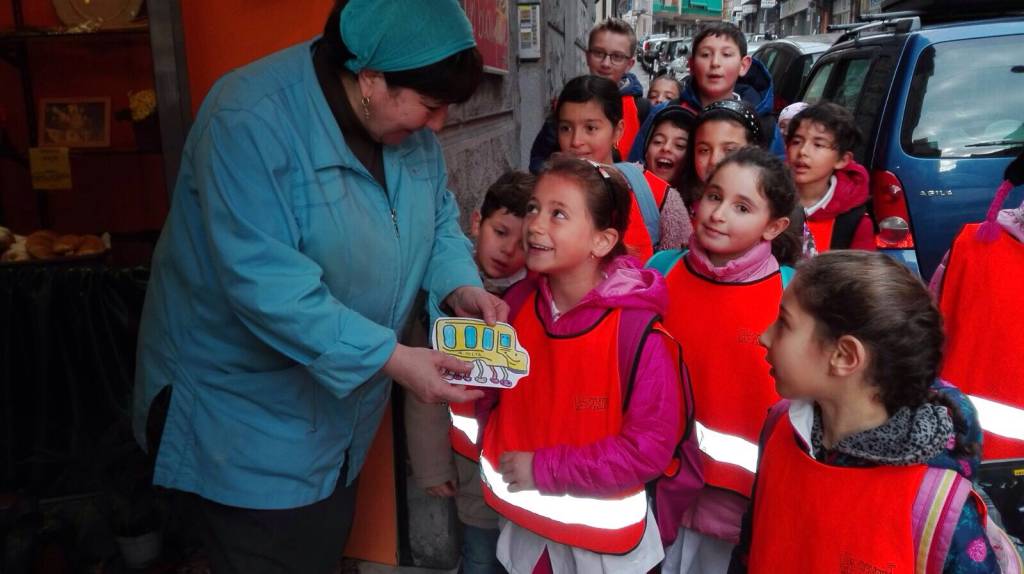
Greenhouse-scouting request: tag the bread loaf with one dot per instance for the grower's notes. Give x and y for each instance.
(40, 244)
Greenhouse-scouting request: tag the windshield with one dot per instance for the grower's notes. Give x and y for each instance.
(965, 99)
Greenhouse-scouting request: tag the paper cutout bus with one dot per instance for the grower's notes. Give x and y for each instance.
(498, 358)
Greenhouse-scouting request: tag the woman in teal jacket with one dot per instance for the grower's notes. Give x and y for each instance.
(311, 207)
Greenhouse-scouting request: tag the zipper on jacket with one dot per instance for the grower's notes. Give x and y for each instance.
(394, 221)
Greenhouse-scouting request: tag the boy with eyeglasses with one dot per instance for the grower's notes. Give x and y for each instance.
(610, 54)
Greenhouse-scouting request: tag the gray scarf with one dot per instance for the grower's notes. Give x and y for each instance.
(911, 436)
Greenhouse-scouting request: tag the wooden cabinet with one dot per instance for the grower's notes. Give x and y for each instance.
(121, 187)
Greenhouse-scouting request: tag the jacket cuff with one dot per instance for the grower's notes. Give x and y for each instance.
(337, 370)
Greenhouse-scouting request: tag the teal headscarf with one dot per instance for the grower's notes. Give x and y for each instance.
(396, 35)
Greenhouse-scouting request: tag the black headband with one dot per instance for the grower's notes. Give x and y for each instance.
(742, 112)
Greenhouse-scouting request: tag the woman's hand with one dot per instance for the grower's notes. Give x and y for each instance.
(419, 370)
(516, 469)
(469, 301)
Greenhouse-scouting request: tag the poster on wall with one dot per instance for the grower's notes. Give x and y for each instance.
(529, 30)
(490, 28)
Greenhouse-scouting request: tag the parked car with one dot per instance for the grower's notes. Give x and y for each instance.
(669, 51)
(648, 50)
(939, 103)
(789, 61)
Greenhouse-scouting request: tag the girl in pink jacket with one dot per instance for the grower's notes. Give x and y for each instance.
(651, 381)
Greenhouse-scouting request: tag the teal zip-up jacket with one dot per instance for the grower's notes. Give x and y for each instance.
(280, 279)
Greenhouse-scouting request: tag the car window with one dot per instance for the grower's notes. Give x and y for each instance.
(767, 57)
(965, 99)
(816, 86)
(851, 82)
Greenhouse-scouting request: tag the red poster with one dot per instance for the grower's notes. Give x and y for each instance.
(490, 28)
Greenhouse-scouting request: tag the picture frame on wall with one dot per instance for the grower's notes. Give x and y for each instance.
(74, 122)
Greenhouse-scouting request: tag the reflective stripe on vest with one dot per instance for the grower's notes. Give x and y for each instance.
(980, 294)
(1000, 419)
(604, 513)
(630, 126)
(730, 403)
(464, 430)
(803, 522)
(572, 396)
(730, 449)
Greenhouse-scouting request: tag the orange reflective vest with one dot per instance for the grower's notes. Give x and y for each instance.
(979, 302)
(630, 126)
(821, 231)
(637, 238)
(720, 323)
(573, 395)
(812, 517)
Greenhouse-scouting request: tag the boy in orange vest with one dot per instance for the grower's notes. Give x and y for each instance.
(442, 454)
(610, 50)
(833, 188)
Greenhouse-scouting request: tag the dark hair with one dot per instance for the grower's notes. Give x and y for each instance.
(511, 192)
(615, 26)
(607, 193)
(775, 183)
(727, 29)
(451, 80)
(876, 299)
(583, 89)
(836, 120)
(737, 111)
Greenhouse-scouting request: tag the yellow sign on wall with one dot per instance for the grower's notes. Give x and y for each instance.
(51, 168)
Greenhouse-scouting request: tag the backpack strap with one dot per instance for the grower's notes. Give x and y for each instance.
(787, 273)
(644, 198)
(845, 226)
(936, 510)
(635, 326)
(664, 261)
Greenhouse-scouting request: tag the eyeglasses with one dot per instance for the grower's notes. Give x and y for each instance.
(616, 58)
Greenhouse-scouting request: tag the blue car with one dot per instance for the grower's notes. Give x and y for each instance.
(940, 102)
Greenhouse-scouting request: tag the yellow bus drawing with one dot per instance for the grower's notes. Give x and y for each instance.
(493, 350)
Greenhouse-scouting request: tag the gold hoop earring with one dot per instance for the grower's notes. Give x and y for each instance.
(366, 106)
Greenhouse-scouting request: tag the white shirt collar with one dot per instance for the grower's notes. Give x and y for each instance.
(809, 211)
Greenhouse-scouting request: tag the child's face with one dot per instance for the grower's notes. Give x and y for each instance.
(499, 244)
(716, 65)
(733, 215)
(584, 131)
(713, 141)
(798, 358)
(812, 155)
(614, 45)
(662, 90)
(559, 234)
(666, 151)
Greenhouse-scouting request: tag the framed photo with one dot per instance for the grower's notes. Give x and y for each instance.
(74, 122)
